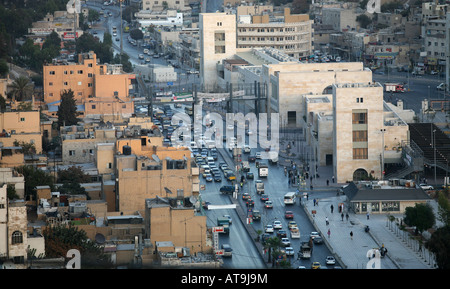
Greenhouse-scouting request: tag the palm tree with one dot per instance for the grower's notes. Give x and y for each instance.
(22, 88)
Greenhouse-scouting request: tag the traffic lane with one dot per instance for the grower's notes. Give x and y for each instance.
(244, 256)
(276, 186)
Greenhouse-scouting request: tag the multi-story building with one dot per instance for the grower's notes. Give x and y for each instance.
(434, 41)
(447, 52)
(341, 18)
(102, 90)
(158, 5)
(21, 127)
(217, 42)
(291, 34)
(162, 171)
(13, 229)
(60, 22)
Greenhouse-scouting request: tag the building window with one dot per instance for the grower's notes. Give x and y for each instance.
(359, 118)
(17, 238)
(50, 84)
(359, 135)
(360, 154)
(22, 119)
(109, 165)
(66, 83)
(65, 71)
(90, 65)
(52, 72)
(90, 74)
(89, 84)
(71, 153)
(93, 106)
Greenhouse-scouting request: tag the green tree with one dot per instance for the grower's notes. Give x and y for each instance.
(34, 177)
(21, 89)
(60, 239)
(136, 34)
(27, 148)
(73, 174)
(11, 192)
(363, 20)
(4, 68)
(443, 208)
(421, 216)
(439, 244)
(67, 110)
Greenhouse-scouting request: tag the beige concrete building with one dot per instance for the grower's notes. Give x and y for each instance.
(144, 176)
(13, 229)
(21, 126)
(101, 90)
(158, 5)
(176, 223)
(217, 42)
(340, 18)
(289, 33)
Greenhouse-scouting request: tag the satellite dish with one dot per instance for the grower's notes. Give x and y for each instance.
(167, 190)
(155, 158)
(193, 199)
(99, 238)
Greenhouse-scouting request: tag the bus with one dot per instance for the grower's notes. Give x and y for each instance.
(289, 198)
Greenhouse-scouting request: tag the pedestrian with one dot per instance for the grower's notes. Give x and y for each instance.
(346, 216)
(332, 208)
(367, 215)
(289, 181)
(329, 233)
(307, 196)
(332, 179)
(314, 201)
(342, 217)
(328, 182)
(351, 235)
(326, 221)
(311, 187)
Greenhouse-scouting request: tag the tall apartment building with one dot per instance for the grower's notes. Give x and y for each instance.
(434, 41)
(289, 33)
(217, 42)
(447, 51)
(100, 89)
(158, 5)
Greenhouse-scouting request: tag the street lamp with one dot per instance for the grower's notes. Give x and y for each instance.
(383, 130)
(434, 154)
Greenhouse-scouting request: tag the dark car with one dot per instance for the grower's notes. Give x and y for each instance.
(264, 197)
(250, 175)
(318, 240)
(252, 158)
(289, 215)
(217, 178)
(281, 234)
(250, 203)
(226, 189)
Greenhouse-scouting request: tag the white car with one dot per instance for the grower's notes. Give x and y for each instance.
(247, 149)
(285, 242)
(277, 225)
(330, 260)
(141, 56)
(426, 187)
(230, 127)
(258, 155)
(289, 251)
(269, 229)
(314, 234)
(229, 218)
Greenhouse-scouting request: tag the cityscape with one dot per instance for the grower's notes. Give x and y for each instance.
(186, 134)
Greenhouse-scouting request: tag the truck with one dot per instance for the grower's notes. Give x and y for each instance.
(273, 157)
(245, 166)
(256, 215)
(225, 223)
(394, 87)
(259, 186)
(305, 250)
(263, 171)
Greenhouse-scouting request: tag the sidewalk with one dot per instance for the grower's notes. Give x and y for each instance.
(403, 253)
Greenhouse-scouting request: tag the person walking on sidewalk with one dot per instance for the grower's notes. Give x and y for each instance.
(351, 235)
(342, 217)
(326, 221)
(329, 233)
(367, 215)
(332, 208)
(346, 216)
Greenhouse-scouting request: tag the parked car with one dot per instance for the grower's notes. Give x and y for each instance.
(426, 187)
